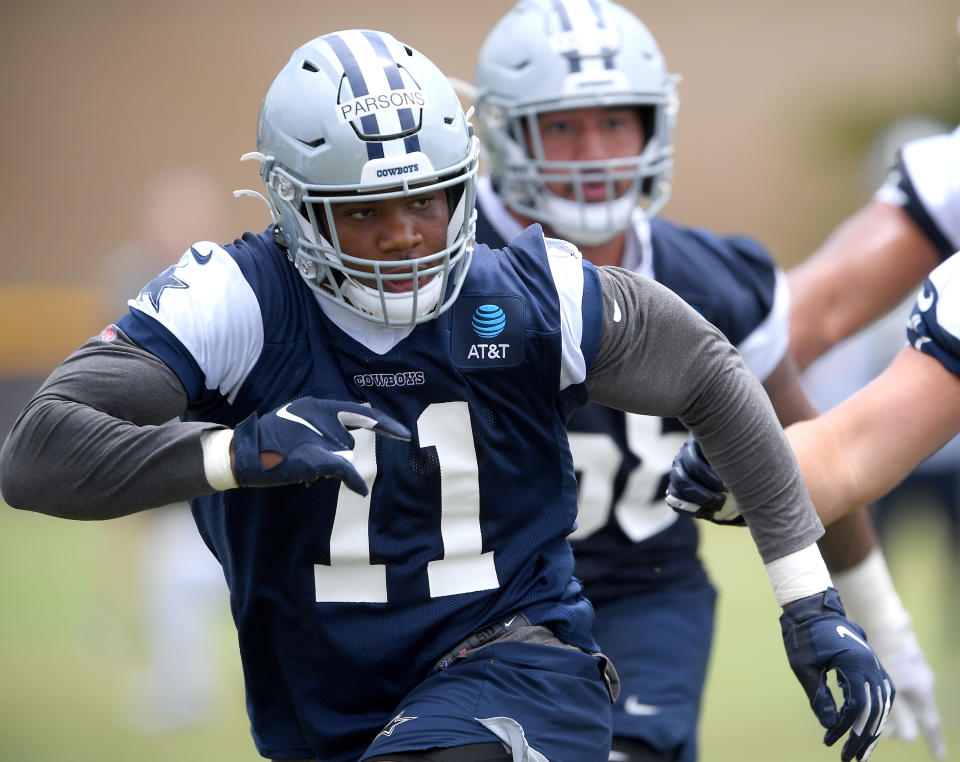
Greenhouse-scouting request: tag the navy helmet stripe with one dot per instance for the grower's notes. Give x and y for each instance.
(608, 62)
(392, 72)
(567, 25)
(565, 22)
(598, 13)
(358, 87)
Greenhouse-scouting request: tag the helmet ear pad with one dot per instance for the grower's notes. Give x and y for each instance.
(286, 232)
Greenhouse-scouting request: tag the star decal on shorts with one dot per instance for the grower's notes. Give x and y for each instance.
(394, 723)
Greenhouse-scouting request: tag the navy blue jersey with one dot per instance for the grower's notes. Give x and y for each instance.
(628, 540)
(333, 593)
(934, 326)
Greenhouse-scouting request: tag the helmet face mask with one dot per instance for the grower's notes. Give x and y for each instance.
(364, 283)
(547, 56)
(357, 117)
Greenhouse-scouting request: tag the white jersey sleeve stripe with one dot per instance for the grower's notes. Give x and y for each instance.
(566, 265)
(765, 347)
(934, 167)
(212, 311)
(946, 279)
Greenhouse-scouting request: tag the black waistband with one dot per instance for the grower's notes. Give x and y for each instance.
(481, 637)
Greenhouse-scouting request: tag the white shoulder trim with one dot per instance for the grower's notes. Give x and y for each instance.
(566, 265)
(213, 312)
(946, 279)
(765, 347)
(934, 167)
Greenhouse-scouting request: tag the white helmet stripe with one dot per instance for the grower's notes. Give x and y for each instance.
(411, 143)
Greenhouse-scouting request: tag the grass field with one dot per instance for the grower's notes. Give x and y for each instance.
(69, 648)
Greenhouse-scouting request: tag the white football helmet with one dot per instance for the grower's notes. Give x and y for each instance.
(556, 55)
(359, 116)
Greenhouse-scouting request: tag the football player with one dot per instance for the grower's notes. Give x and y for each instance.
(576, 109)
(406, 592)
(886, 249)
(867, 444)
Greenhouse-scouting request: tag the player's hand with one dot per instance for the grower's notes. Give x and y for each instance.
(697, 490)
(308, 440)
(916, 707)
(818, 638)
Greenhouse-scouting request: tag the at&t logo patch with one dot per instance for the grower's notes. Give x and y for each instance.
(489, 321)
(488, 331)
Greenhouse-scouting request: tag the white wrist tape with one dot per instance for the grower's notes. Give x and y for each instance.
(216, 458)
(869, 596)
(798, 575)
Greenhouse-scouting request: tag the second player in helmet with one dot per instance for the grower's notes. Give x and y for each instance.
(576, 110)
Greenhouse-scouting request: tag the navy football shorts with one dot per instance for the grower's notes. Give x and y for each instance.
(660, 645)
(553, 699)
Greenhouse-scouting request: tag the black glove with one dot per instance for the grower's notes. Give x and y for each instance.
(818, 638)
(312, 436)
(696, 489)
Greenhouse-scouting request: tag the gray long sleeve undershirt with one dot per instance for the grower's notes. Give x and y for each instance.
(683, 367)
(91, 444)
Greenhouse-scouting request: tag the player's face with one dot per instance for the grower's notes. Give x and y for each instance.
(394, 230)
(591, 134)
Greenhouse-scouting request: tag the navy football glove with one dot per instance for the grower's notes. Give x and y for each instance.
(819, 638)
(311, 436)
(696, 489)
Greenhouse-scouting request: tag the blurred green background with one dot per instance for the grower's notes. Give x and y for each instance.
(71, 646)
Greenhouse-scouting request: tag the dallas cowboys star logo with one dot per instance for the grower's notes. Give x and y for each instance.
(164, 280)
(394, 723)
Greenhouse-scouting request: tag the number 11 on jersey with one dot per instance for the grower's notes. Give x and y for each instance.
(463, 568)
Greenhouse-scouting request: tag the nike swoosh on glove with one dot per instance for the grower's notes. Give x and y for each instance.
(697, 490)
(818, 638)
(312, 437)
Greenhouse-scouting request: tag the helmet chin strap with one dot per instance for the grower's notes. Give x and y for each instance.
(588, 224)
(399, 305)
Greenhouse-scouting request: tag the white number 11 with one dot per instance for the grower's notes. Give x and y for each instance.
(463, 568)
